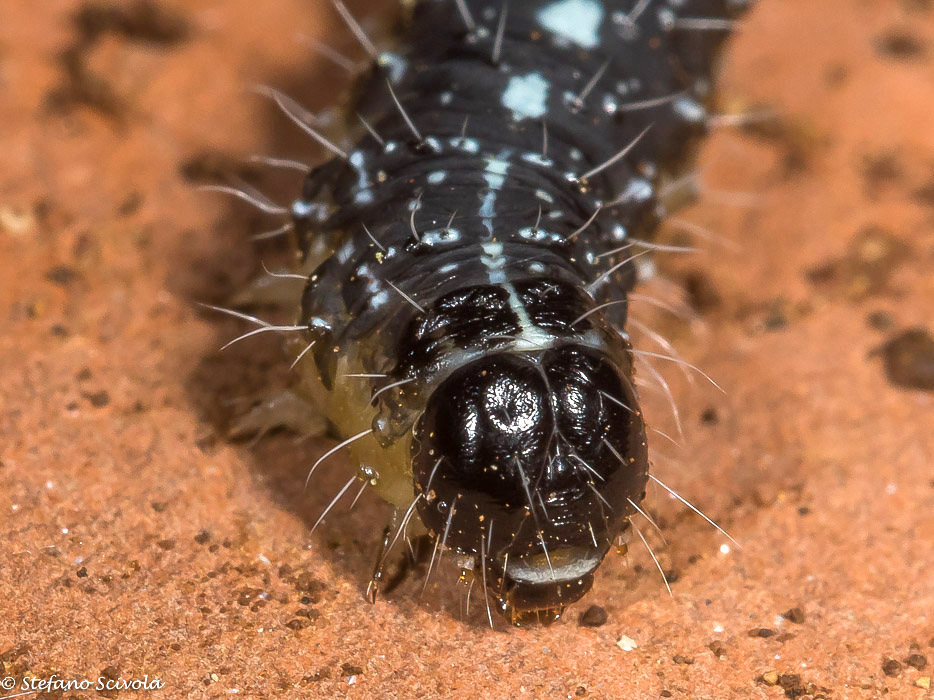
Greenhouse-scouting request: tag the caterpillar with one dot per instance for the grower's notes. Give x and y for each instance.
(465, 270)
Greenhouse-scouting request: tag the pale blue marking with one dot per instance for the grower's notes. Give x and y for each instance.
(395, 64)
(527, 96)
(363, 195)
(493, 261)
(578, 21)
(495, 174)
(301, 208)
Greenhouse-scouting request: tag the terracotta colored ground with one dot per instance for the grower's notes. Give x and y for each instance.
(136, 540)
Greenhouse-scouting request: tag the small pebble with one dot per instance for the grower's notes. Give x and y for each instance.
(718, 649)
(762, 632)
(900, 45)
(908, 359)
(891, 668)
(98, 399)
(351, 670)
(627, 643)
(62, 275)
(880, 320)
(16, 223)
(594, 616)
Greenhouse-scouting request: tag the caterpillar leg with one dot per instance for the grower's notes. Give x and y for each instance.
(284, 409)
(681, 193)
(373, 587)
(271, 289)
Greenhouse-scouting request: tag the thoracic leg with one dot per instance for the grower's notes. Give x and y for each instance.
(284, 409)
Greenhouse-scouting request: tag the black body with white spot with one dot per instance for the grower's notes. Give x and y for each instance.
(479, 244)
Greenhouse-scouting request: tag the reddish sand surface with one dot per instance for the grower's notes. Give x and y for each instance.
(136, 540)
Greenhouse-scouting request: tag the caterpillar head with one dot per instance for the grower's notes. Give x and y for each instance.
(530, 464)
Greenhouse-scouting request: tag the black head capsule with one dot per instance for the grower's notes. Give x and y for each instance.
(533, 460)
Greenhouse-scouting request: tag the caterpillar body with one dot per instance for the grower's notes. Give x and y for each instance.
(468, 263)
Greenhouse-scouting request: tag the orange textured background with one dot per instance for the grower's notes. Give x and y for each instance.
(136, 540)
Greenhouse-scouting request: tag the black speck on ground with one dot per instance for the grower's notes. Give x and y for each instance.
(702, 292)
(351, 670)
(321, 674)
(762, 632)
(865, 269)
(908, 359)
(594, 616)
(98, 399)
(901, 45)
(891, 668)
(143, 20)
(880, 320)
(62, 275)
(718, 649)
(879, 170)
